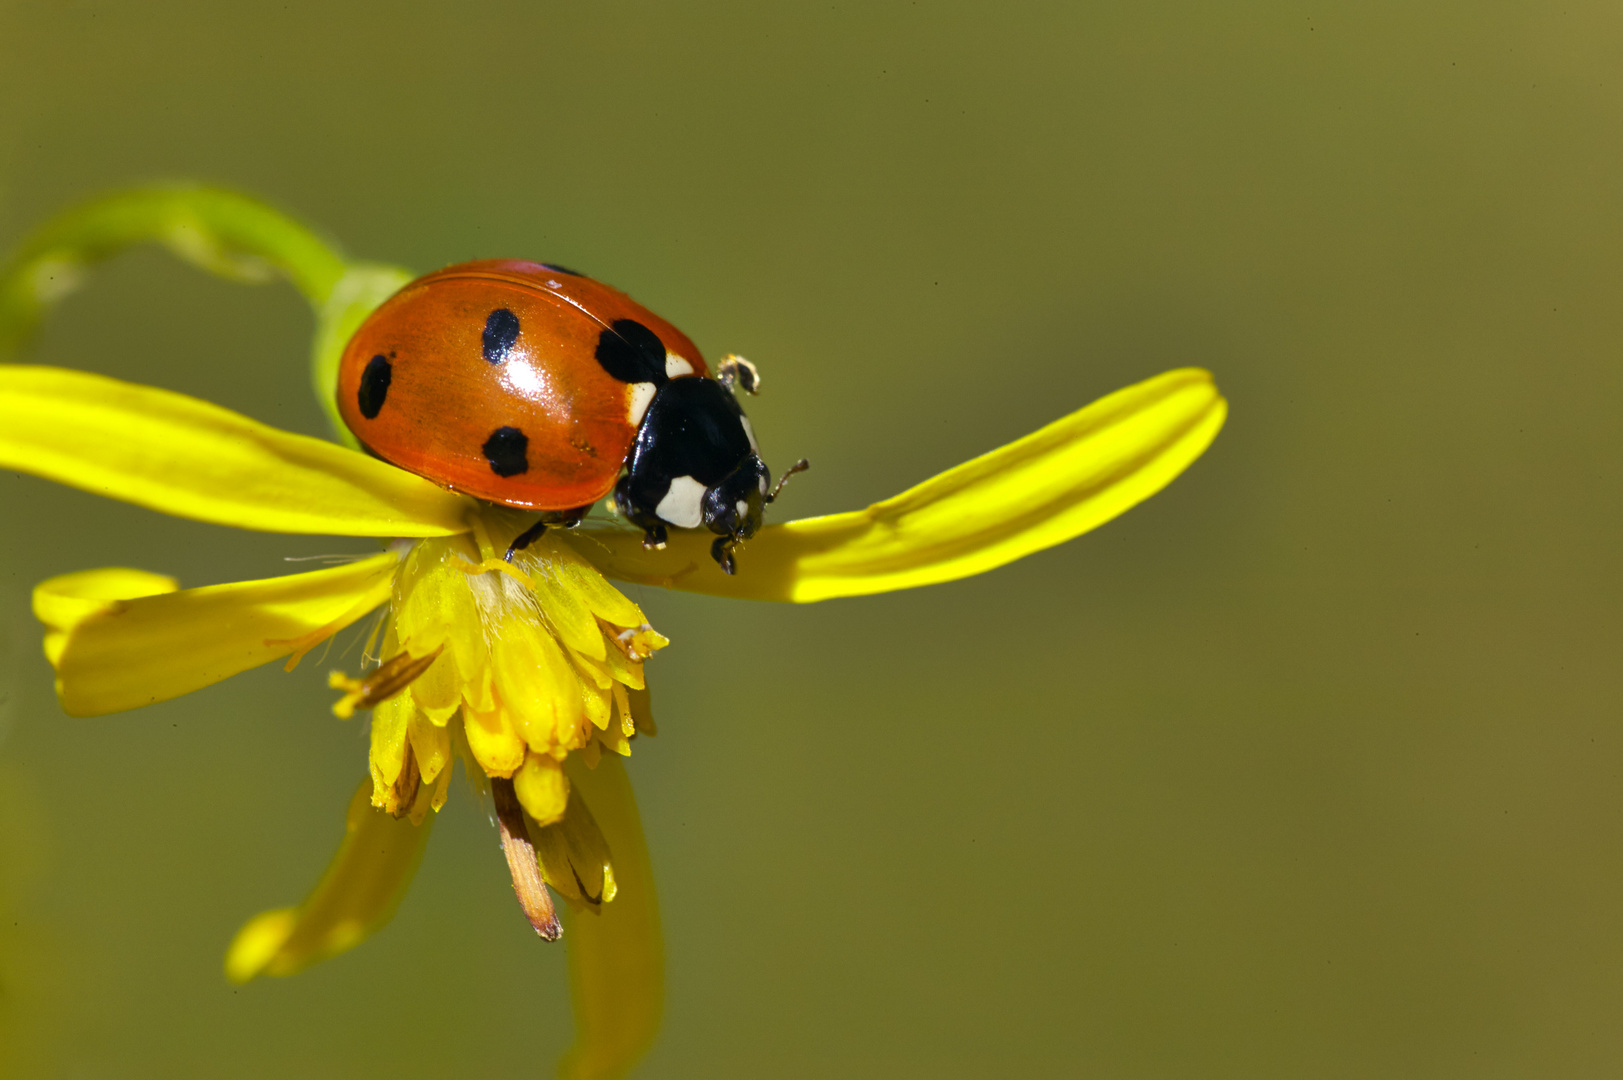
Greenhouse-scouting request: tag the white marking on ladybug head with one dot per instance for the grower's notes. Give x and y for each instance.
(682, 504)
(676, 365)
(762, 481)
(642, 395)
(743, 508)
(749, 433)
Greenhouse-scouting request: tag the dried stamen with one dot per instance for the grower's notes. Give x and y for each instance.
(522, 863)
(379, 685)
(637, 642)
(404, 792)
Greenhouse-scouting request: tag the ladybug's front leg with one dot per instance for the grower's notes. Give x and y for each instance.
(722, 552)
(567, 519)
(654, 536)
(525, 539)
(653, 529)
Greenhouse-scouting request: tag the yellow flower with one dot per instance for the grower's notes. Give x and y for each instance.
(527, 670)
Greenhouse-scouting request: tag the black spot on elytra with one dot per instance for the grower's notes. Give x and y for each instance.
(556, 269)
(501, 331)
(505, 450)
(631, 352)
(374, 386)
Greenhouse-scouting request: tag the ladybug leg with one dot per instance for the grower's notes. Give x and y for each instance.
(735, 372)
(722, 552)
(564, 519)
(525, 539)
(627, 506)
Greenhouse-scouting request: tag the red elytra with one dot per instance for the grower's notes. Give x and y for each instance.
(443, 406)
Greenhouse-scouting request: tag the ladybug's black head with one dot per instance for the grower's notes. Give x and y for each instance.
(733, 507)
(695, 463)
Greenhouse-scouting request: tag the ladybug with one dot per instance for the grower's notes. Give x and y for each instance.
(533, 386)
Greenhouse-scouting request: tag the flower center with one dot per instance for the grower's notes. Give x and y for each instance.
(511, 665)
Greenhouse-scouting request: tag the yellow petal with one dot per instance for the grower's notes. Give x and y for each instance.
(565, 608)
(582, 578)
(431, 745)
(1056, 483)
(642, 710)
(356, 896)
(442, 787)
(616, 957)
(538, 688)
(149, 648)
(433, 603)
(622, 668)
(614, 739)
(64, 602)
(542, 788)
(592, 672)
(574, 855)
(479, 687)
(438, 692)
(192, 459)
(388, 738)
(492, 741)
(598, 706)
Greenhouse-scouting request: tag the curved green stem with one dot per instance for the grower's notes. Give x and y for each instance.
(363, 287)
(218, 231)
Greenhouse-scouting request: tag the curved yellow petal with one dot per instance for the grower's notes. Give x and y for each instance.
(616, 955)
(355, 897)
(1056, 483)
(64, 602)
(219, 231)
(192, 459)
(152, 643)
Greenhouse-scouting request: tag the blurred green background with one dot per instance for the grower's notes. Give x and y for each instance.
(1310, 766)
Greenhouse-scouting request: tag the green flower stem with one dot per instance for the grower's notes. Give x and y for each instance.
(218, 231)
(362, 288)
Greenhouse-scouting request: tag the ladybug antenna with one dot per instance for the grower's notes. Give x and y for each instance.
(798, 467)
